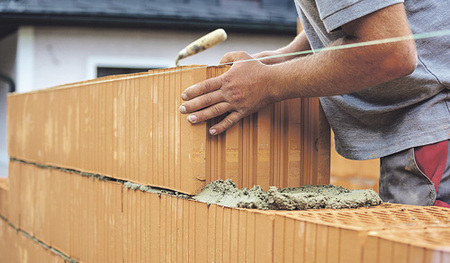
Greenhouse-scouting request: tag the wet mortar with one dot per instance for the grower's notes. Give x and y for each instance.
(226, 193)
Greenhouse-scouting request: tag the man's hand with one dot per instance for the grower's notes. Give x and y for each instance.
(238, 93)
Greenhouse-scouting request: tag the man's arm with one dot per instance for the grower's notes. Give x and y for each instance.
(250, 86)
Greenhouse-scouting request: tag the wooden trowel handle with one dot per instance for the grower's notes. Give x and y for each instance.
(205, 42)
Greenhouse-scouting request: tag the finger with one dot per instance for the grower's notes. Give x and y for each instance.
(201, 102)
(202, 88)
(228, 58)
(209, 113)
(226, 123)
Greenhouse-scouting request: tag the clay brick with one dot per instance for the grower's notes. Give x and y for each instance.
(333, 244)
(416, 255)
(129, 127)
(348, 231)
(431, 244)
(278, 243)
(211, 221)
(251, 232)
(201, 232)
(67, 210)
(386, 251)
(242, 239)
(371, 251)
(4, 197)
(219, 235)
(59, 205)
(301, 246)
(17, 247)
(263, 237)
(351, 243)
(14, 204)
(191, 237)
(33, 219)
(104, 221)
(322, 243)
(399, 252)
(289, 240)
(155, 228)
(310, 234)
(234, 237)
(226, 234)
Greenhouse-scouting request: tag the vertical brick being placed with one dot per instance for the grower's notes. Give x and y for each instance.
(128, 127)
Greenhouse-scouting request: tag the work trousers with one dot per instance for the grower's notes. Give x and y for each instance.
(417, 176)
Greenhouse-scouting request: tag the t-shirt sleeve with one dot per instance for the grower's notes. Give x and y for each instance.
(337, 13)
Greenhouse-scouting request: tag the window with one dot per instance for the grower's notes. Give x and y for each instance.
(112, 65)
(107, 71)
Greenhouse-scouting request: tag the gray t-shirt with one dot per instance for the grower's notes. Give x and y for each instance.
(397, 115)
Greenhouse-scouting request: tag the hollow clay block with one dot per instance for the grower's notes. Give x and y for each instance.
(129, 127)
(4, 197)
(17, 247)
(103, 220)
(431, 244)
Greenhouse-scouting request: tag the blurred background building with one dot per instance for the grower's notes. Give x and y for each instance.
(44, 43)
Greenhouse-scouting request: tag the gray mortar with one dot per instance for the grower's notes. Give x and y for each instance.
(159, 191)
(226, 193)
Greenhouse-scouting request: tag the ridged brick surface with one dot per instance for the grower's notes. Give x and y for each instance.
(430, 244)
(129, 127)
(93, 220)
(17, 247)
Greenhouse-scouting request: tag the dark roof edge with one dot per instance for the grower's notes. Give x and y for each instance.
(14, 19)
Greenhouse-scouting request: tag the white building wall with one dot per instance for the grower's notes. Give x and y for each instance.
(64, 55)
(25, 66)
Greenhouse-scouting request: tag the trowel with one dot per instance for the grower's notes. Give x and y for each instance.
(209, 40)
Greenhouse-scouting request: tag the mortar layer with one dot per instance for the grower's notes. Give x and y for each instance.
(226, 193)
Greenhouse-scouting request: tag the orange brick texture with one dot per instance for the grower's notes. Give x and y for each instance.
(91, 220)
(128, 127)
(17, 247)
